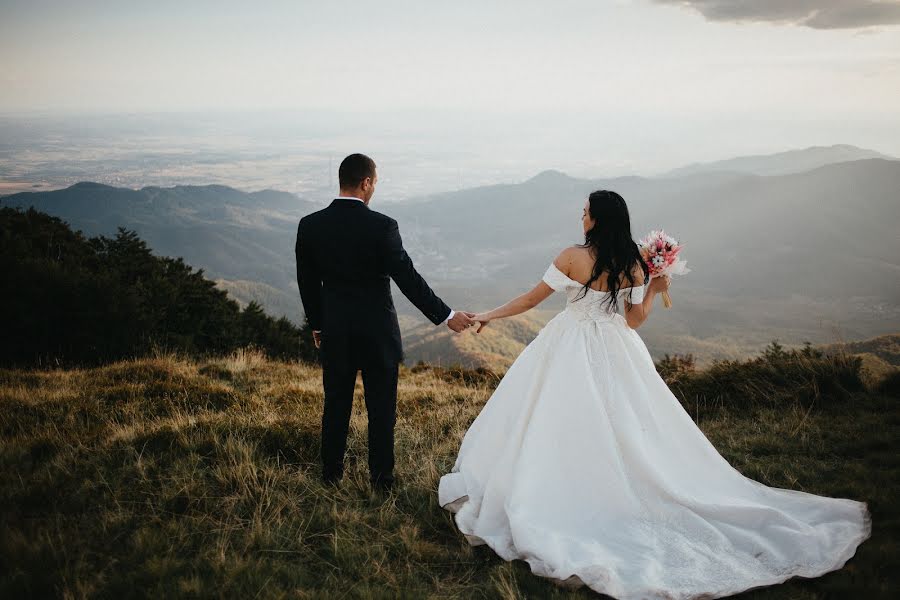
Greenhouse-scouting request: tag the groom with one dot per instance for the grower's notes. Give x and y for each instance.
(347, 255)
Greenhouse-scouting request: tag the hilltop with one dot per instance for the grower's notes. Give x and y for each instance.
(782, 163)
(181, 477)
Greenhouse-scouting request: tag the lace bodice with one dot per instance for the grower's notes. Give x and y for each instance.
(594, 304)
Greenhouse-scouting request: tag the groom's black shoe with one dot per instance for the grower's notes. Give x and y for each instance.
(383, 484)
(331, 478)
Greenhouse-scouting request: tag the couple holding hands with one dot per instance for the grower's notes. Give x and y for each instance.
(583, 462)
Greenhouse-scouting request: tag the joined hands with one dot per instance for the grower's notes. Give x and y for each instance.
(462, 320)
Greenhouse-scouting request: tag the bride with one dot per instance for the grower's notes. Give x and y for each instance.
(584, 464)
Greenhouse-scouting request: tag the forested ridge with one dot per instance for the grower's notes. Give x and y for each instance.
(76, 300)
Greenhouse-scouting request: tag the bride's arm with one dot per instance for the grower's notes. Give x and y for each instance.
(636, 314)
(529, 299)
(516, 306)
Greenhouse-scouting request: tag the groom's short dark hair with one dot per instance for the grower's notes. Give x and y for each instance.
(354, 169)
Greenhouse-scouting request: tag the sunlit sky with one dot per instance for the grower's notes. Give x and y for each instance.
(726, 78)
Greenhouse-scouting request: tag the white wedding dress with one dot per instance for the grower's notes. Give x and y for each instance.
(584, 464)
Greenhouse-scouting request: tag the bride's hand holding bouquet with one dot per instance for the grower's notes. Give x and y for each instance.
(660, 284)
(660, 253)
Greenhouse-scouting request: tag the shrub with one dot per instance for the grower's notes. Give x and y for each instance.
(778, 377)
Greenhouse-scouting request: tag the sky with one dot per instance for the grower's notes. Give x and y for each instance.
(645, 79)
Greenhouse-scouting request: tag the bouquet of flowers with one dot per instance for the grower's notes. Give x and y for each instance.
(660, 252)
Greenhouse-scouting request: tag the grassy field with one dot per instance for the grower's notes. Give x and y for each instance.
(169, 477)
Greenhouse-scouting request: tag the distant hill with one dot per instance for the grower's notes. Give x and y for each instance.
(781, 163)
(96, 207)
(495, 347)
(807, 256)
(746, 234)
(277, 302)
(885, 347)
(880, 357)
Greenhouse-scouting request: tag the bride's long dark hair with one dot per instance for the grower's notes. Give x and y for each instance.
(611, 245)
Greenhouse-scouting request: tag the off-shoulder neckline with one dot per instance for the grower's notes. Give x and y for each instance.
(578, 283)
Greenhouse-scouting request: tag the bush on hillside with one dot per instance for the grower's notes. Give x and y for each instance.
(778, 377)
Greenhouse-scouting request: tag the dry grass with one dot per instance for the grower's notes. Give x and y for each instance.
(168, 477)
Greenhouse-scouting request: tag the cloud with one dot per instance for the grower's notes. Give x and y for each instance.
(818, 14)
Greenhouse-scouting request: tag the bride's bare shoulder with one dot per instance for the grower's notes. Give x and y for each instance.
(568, 257)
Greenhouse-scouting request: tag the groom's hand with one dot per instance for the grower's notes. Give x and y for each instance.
(317, 338)
(461, 321)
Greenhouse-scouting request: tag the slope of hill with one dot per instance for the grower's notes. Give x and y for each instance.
(229, 233)
(781, 163)
(494, 348)
(75, 300)
(880, 356)
(885, 347)
(277, 302)
(176, 478)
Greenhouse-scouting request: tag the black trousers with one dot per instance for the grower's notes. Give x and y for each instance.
(380, 385)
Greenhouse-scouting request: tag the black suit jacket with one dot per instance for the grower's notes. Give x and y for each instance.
(347, 255)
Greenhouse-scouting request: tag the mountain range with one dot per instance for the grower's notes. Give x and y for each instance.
(781, 163)
(774, 252)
